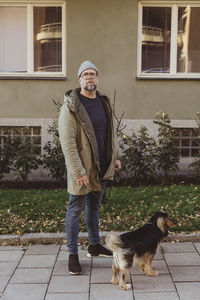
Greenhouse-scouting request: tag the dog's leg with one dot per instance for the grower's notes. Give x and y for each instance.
(140, 264)
(148, 265)
(122, 283)
(153, 272)
(115, 273)
(141, 267)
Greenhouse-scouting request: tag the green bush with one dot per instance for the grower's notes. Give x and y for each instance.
(6, 156)
(18, 155)
(53, 159)
(138, 154)
(196, 162)
(167, 153)
(144, 157)
(25, 158)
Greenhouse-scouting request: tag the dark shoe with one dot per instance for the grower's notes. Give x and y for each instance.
(74, 267)
(98, 250)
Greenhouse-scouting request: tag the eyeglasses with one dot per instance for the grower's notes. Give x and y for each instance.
(86, 75)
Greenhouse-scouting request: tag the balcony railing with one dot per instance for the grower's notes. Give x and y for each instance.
(49, 32)
(154, 34)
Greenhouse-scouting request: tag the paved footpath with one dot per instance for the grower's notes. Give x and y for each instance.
(39, 272)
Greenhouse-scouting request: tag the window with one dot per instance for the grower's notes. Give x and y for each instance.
(169, 40)
(32, 39)
(187, 140)
(32, 133)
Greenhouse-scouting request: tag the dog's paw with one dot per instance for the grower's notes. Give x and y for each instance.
(155, 273)
(124, 286)
(115, 281)
(152, 273)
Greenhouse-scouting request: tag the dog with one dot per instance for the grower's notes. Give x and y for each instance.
(138, 246)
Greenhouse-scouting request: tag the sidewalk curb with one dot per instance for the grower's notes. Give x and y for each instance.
(60, 238)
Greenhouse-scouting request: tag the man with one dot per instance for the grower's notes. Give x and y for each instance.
(88, 141)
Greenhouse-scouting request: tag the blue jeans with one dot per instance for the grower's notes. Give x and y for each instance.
(91, 202)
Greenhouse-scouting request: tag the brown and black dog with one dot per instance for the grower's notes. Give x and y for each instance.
(139, 245)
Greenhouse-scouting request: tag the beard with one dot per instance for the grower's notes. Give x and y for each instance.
(90, 87)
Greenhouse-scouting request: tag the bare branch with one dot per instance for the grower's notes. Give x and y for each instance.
(57, 104)
(120, 126)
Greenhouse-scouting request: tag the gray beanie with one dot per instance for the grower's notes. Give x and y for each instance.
(86, 65)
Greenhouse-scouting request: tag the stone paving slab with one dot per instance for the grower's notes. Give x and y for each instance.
(156, 296)
(25, 292)
(184, 259)
(10, 255)
(69, 284)
(7, 268)
(42, 249)
(178, 247)
(187, 273)
(37, 261)
(188, 290)
(197, 245)
(31, 276)
(3, 282)
(109, 291)
(160, 283)
(74, 296)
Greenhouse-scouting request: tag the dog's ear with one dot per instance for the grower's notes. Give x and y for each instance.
(161, 225)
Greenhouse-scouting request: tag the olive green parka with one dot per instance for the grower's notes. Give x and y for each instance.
(79, 145)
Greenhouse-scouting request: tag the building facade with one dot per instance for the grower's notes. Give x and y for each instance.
(146, 51)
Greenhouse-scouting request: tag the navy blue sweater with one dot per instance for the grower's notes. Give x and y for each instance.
(98, 117)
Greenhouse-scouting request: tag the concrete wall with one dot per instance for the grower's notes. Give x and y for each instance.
(106, 33)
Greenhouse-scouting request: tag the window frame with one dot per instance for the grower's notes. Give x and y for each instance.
(30, 73)
(180, 138)
(21, 134)
(173, 47)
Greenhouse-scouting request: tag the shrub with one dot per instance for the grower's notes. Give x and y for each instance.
(25, 157)
(144, 157)
(138, 154)
(53, 159)
(196, 162)
(167, 153)
(6, 156)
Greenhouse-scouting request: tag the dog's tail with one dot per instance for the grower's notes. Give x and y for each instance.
(114, 242)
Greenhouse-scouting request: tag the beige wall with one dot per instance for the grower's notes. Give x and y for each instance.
(106, 33)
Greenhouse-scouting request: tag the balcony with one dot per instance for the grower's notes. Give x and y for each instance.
(155, 35)
(50, 32)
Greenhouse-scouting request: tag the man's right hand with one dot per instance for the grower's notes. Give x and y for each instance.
(83, 180)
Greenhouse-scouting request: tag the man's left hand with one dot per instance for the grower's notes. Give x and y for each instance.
(117, 165)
